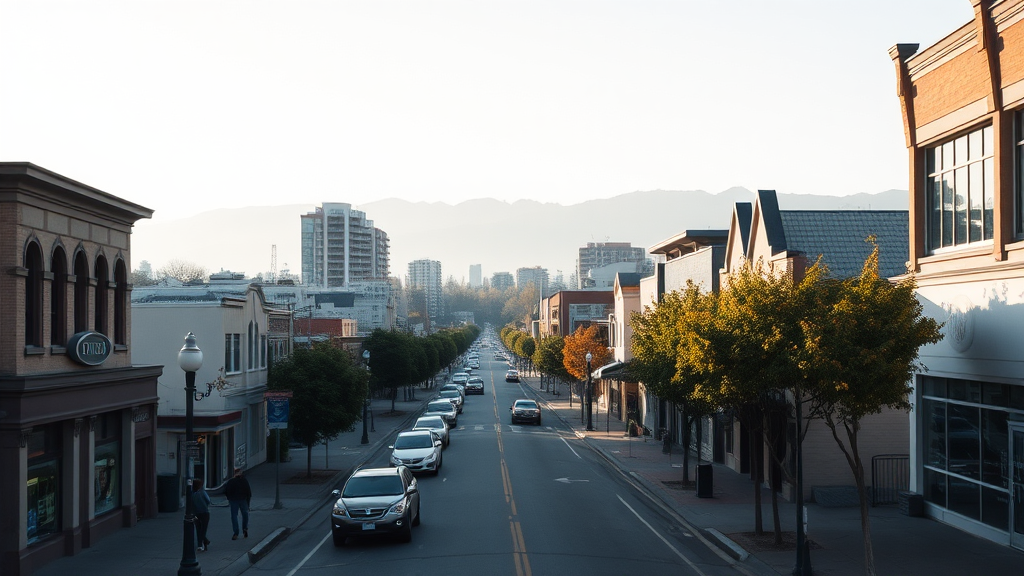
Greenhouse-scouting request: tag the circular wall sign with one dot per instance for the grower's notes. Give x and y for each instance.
(89, 348)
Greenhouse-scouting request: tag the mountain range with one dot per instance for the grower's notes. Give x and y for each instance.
(501, 236)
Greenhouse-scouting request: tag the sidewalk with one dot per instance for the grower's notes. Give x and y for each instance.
(903, 545)
(154, 546)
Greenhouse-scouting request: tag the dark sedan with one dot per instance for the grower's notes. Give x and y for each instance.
(525, 411)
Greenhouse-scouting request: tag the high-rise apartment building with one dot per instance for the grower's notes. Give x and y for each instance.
(425, 275)
(598, 254)
(476, 278)
(536, 275)
(502, 280)
(340, 246)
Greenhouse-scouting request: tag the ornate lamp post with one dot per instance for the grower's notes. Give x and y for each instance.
(190, 359)
(366, 437)
(590, 395)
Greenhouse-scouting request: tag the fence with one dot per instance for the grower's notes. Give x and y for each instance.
(890, 475)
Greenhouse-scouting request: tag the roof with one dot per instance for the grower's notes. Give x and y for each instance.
(689, 241)
(628, 278)
(840, 237)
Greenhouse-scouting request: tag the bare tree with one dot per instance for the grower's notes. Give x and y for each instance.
(183, 271)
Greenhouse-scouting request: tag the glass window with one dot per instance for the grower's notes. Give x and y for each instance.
(995, 444)
(964, 440)
(232, 353)
(995, 508)
(959, 191)
(965, 498)
(935, 433)
(106, 469)
(42, 518)
(935, 487)
(932, 386)
(964, 390)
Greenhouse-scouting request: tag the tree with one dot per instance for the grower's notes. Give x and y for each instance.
(574, 352)
(662, 362)
(525, 347)
(391, 362)
(860, 356)
(521, 304)
(183, 271)
(548, 357)
(327, 394)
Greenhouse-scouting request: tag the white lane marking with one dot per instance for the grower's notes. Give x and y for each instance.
(569, 480)
(660, 537)
(570, 448)
(310, 555)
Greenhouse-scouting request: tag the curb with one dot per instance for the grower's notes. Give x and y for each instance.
(725, 543)
(267, 544)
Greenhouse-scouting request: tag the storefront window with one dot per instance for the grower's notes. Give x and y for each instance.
(43, 500)
(107, 463)
(106, 470)
(935, 433)
(43, 483)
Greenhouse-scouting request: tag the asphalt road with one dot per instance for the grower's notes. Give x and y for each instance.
(517, 500)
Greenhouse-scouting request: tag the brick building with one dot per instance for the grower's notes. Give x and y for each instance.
(77, 419)
(963, 115)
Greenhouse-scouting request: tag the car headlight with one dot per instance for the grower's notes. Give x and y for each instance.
(339, 510)
(431, 457)
(395, 460)
(398, 507)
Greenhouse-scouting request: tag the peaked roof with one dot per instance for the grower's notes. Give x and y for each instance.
(839, 237)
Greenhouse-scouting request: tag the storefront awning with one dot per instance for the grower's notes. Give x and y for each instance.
(205, 422)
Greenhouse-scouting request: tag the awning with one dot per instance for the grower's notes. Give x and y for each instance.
(608, 370)
(205, 422)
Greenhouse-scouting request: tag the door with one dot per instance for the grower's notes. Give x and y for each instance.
(1017, 485)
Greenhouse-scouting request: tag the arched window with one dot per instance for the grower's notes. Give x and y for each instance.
(59, 297)
(34, 295)
(81, 292)
(120, 302)
(102, 285)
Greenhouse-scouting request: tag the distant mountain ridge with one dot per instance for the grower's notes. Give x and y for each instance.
(501, 236)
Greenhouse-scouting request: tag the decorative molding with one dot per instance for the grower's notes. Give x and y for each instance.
(24, 436)
(92, 423)
(78, 427)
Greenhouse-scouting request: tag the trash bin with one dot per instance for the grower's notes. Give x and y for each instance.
(705, 481)
(167, 489)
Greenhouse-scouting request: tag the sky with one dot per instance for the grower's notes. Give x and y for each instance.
(187, 106)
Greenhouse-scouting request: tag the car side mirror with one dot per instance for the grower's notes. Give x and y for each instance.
(437, 442)
(336, 493)
(391, 447)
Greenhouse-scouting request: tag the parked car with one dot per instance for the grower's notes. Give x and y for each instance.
(475, 386)
(460, 387)
(417, 450)
(445, 409)
(524, 410)
(460, 378)
(376, 501)
(512, 376)
(453, 396)
(435, 424)
(475, 365)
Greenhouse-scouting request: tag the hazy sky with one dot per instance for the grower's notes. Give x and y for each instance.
(184, 106)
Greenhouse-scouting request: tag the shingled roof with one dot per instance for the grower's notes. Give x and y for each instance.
(839, 236)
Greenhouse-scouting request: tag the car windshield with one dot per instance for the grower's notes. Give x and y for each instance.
(442, 406)
(528, 404)
(363, 486)
(450, 393)
(413, 441)
(430, 422)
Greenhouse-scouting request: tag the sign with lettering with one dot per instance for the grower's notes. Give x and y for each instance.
(277, 413)
(89, 348)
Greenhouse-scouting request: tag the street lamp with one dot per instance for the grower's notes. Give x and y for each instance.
(190, 359)
(366, 358)
(590, 395)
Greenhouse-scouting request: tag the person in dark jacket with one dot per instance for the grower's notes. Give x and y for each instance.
(238, 493)
(201, 504)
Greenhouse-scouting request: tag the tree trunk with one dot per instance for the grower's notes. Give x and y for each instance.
(309, 460)
(686, 451)
(755, 472)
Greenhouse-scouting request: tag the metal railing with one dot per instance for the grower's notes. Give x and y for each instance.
(890, 475)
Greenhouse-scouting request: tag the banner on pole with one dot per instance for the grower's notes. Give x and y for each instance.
(277, 412)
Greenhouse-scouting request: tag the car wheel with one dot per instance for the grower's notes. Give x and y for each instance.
(339, 539)
(437, 470)
(538, 421)
(416, 522)
(406, 535)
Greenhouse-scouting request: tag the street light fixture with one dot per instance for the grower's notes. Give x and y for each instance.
(366, 358)
(190, 359)
(590, 395)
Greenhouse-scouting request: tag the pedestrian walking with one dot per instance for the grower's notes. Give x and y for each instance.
(201, 505)
(239, 493)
